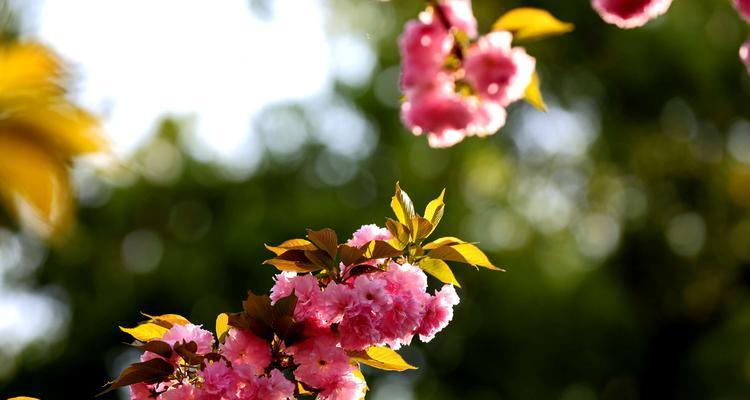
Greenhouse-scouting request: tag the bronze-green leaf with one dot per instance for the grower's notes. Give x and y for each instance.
(380, 249)
(420, 228)
(350, 255)
(465, 253)
(402, 206)
(292, 244)
(439, 269)
(151, 371)
(325, 239)
(382, 358)
(399, 232)
(531, 23)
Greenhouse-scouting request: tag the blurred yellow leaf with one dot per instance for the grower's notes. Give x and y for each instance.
(34, 184)
(40, 133)
(531, 23)
(439, 269)
(146, 332)
(382, 358)
(465, 253)
(222, 325)
(23, 398)
(358, 373)
(533, 94)
(170, 319)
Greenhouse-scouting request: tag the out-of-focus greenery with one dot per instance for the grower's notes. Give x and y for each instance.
(621, 217)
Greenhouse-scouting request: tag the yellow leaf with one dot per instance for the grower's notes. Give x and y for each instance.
(155, 327)
(34, 185)
(443, 241)
(439, 269)
(302, 391)
(402, 206)
(146, 332)
(382, 358)
(222, 325)
(434, 210)
(465, 253)
(23, 398)
(420, 228)
(358, 373)
(29, 70)
(533, 94)
(531, 23)
(292, 244)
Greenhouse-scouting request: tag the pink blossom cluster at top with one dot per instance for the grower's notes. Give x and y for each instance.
(386, 306)
(629, 14)
(449, 99)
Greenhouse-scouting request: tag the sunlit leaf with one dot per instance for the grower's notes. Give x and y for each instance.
(399, 232)
(34, 184)
(402, 206)
(434, 211)
(30, 70)
(420, 228)
(325, 239)
(146, 332)
(350, 255)
(293, 244)
(465, 253)
(358, 374)
(381, 358)
(439, 269)
(171, 319)
(377, 249)
(533, 94)
(23, 398)
(291, 266)
(222, 325)
(443, 241)
(531, 23)
(151, 371)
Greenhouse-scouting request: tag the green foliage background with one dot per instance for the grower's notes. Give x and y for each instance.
(642, 321)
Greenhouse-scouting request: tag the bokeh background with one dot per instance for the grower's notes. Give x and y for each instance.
(621, 215)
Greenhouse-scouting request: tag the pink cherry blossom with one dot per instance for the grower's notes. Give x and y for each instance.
(337, 300)
(349, 387)
(243, 347)
(440, 112)
(497, 71)
(439, 313)
(140, 391)
(460, 16)
(305, 287)
(368, 233)
(182, 392)
(628, 14)
(743, 7)
(425, 44)
(219, 380)
(745, 54)
(322, 363)
(272, 387)
(190, 333)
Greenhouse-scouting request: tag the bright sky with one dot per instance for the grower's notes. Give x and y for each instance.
(140, 59)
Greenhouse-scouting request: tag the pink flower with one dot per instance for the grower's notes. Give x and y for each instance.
(321, 362)
(337, 300)
(190, 333)
(305, 287)
(440, 112)
(745, 54)
(244, 348)
(349, 387)
(460, 16)
(425, 44)
(182, 392)
(219, 381)
(273, 387)
(743, 7)
(497, 71)
(140, 391)
(628, 14)
(439, 313)
(368, 233)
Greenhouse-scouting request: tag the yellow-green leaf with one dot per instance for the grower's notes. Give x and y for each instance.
(399, 231)
(380, 249)
(465, 253)
(439, 269)
(443, 241)
(420, 228)
(292, 244)
(402, 206)
(533, 94)
(434, 210)
(222, 325)
(531, 23)
(146, 332)
(382, 358)
(291, 265)
(173, 319)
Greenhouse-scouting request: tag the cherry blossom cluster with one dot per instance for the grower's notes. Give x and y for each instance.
(454, 89)
(332, 308)
(743, 8)
(627, 14)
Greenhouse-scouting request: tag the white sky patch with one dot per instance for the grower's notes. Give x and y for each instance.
(141, 59)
